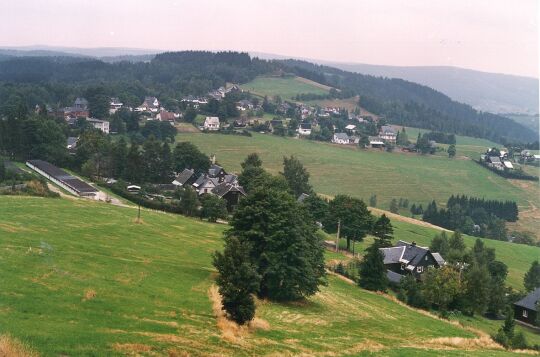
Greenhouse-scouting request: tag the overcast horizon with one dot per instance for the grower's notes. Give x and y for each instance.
(488, 36)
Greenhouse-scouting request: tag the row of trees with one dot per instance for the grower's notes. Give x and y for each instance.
(99, 156)
(474, 220)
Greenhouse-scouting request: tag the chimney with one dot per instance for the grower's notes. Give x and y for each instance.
(213, 159)
(413, 243)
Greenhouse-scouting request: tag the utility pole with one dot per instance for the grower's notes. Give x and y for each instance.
(139, 214)
(337, 235)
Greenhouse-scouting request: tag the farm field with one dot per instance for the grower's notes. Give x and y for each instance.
(286, 87)
(337, 169)
(85, 280)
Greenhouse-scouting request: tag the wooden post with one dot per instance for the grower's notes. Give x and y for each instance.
(337, 235)
(139, 214)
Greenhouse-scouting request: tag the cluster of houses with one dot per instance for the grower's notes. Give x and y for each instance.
(527, 157)
(216, 182)
(497, 159)
(387, 135)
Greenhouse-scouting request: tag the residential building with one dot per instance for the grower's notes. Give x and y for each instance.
(230, 192)
(304, 129)
(72, 142)
(388, 134)
(376, 142)
(114, 105)
(165, 115)
(102, 125)
(340, 138)
(150, 104)
(526, 309)
(408, 258)
(185, 178)
(211, 123)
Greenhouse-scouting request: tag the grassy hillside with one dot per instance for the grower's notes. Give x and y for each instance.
(83, 279)
(287, 88)
(336, 169)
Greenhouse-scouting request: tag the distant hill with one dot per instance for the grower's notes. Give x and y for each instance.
(491, 92)
(107, 54)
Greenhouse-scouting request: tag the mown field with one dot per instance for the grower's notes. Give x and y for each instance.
(80, 278)
(343, 169)
(285, 87)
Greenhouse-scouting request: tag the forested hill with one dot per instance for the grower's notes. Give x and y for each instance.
(169, 76)
(411, 104)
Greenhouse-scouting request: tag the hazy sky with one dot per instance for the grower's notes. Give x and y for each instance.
(489, 35)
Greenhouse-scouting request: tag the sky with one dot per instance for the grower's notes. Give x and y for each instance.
(489, 35)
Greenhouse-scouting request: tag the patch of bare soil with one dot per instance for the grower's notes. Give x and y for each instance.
(89, 294)
(398, 217)
(131, 349)
(10, 347)
(230, 330)
(186, 128)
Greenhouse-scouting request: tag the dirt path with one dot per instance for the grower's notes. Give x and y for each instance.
(398, 217)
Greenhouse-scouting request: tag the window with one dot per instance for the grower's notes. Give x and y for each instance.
(525, 313)
(402, 266)
(425, 257)
(419, 269)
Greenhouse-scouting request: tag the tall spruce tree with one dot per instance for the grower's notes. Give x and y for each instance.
(372, 269)
(296, 176)
(237, 279)
(532, 277)
(382, 229)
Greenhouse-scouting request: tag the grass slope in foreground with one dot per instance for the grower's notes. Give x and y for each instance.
(337, 169)
(79, 278)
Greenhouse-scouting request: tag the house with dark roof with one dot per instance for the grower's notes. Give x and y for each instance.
(409, 259)
(63, 179)
(526, 309)
(216, 171)
(230, 192)
(184, 178)
(205, 184)
(304, 129)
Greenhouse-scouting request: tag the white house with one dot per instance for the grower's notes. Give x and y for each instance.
(388, 133)
(211, 123)
(102, 125)
(304, 129)
(150, 104)
(350, 127)
(114, 105)
(340, 138)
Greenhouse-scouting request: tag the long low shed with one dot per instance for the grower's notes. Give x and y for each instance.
(60, 177)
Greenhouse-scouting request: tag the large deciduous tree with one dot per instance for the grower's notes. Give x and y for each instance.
(296, 176)
(352, 214)
(285, 248)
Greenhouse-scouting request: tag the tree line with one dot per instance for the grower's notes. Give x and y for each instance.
(475, 216)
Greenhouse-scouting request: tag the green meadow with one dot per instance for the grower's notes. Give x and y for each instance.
(285, 87)
(80, 278)
(344, 169)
